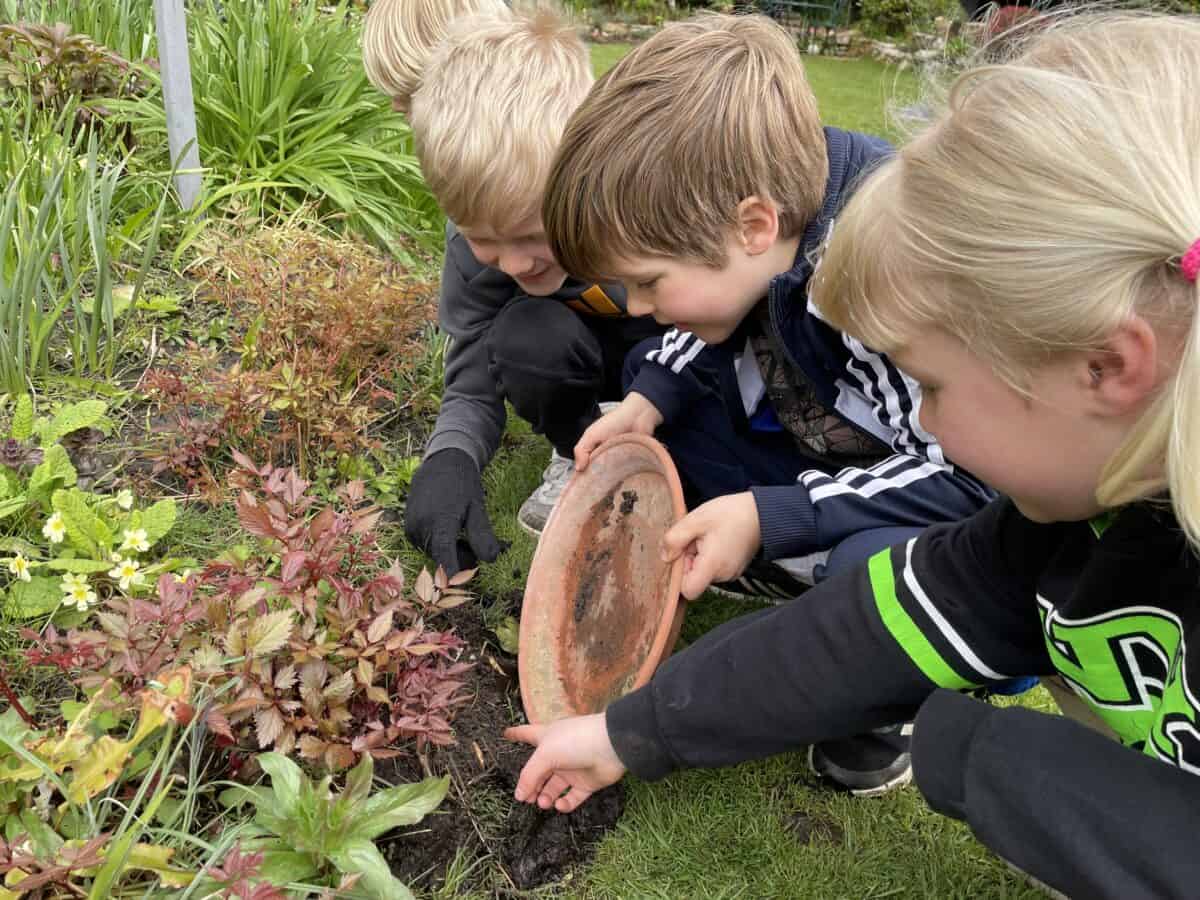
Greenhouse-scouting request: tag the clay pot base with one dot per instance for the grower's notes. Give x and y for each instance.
(601, 608)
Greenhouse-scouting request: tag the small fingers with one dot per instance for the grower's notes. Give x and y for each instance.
(572, 801)
(552, 791)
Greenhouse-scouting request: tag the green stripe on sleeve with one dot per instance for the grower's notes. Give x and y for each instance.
(910, 638)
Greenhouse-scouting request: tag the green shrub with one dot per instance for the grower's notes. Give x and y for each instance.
(895, 18)
(285, 117)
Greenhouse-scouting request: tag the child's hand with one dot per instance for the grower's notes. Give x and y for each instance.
(572, 755)
(718, 539)
(635, 413)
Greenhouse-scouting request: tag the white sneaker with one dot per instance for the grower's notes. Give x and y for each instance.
(536, 509)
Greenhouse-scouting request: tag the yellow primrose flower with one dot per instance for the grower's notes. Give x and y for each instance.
(73, 580)
(55, 529)
(19, 566)
(135, 540)
(126, 572)
(80, 597)
(125, 499)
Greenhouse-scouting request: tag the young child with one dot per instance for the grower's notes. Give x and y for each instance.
(706, 190)
(487, 97)
(1032, 259)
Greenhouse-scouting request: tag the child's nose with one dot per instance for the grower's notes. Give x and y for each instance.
(515, 263)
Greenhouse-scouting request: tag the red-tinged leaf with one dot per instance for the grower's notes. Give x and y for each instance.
(377, 694)
(268, 725)
(450, 601)
(386, 753)
(380, 627)
(312, 747)
(286, 742)
(254, 518)
(440, 581)
(218, 723)
(366, 672)
(242, 704)
(321, 523)
(285, 678)
(462, 577)
(424, 587)
(366, 523)
(292, 564)
(422, 649)
(339, 756)
(250, 599)
(246, 463)
(340, 689)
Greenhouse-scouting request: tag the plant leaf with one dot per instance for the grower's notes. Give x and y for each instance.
(36, 597)
(22, 420)
(85, 529)
(362, 857)
(53, 472)
(286, 779)
(404, 804)
(268, 633)
(80, 566)
(85, 414)
(158, 519)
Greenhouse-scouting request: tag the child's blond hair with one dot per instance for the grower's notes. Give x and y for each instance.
(708, 112)
(1052, 200)
(399, 35)
(487, 101)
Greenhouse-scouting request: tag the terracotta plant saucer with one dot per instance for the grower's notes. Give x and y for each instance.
(601, 608)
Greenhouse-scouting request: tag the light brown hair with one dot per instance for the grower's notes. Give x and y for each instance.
(1050, 202)
(708, 112)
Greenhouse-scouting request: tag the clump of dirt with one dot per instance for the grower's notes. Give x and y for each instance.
(814, 829)
(479, 816)
(629, 500)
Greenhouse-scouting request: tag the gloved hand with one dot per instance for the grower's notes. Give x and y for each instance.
(446, 496)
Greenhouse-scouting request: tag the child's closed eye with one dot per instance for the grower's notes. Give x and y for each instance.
(647, 285)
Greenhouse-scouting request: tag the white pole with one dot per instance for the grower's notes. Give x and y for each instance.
(171, 22)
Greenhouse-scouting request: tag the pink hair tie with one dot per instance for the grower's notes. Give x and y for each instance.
(1190, 264)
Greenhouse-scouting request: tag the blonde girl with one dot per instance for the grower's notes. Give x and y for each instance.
(1032, 259)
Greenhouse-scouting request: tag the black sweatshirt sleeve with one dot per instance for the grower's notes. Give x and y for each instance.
(1076, 810)
(860, 650)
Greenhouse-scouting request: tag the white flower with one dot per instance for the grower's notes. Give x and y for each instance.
(126, 572)
(135, 540)
(19, 566)
(183, 576)
(73, 580)
(117, 558)
(55, 529)
(80, 597)
(125, 499)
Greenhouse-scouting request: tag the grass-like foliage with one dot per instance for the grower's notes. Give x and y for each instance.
(285, 116)
(124, 26)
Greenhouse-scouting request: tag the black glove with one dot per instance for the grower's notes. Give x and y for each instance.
(446, 496)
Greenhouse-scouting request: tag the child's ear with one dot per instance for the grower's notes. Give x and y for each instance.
(757, 225)
(1122, 375)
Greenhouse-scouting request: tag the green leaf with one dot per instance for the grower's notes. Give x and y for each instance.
(80, 566)
(85, 529)
(286, 779)
(361, 856)
(85, 414)
(22, 420)
(404, 804)
(53, 472)
(36, 597)
(280, 866)
(157, 520)
(12, 505)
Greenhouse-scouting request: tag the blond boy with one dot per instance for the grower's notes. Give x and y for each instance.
(488, 94)
(706, 189)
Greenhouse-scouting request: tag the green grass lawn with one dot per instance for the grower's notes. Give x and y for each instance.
(763, 829)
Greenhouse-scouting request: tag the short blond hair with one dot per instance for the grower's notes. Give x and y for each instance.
(708, 112)
(399, 36)
(492, 98)
(1051, 201)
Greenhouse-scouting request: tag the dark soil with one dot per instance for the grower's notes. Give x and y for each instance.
(479, 817)
(814, 829)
